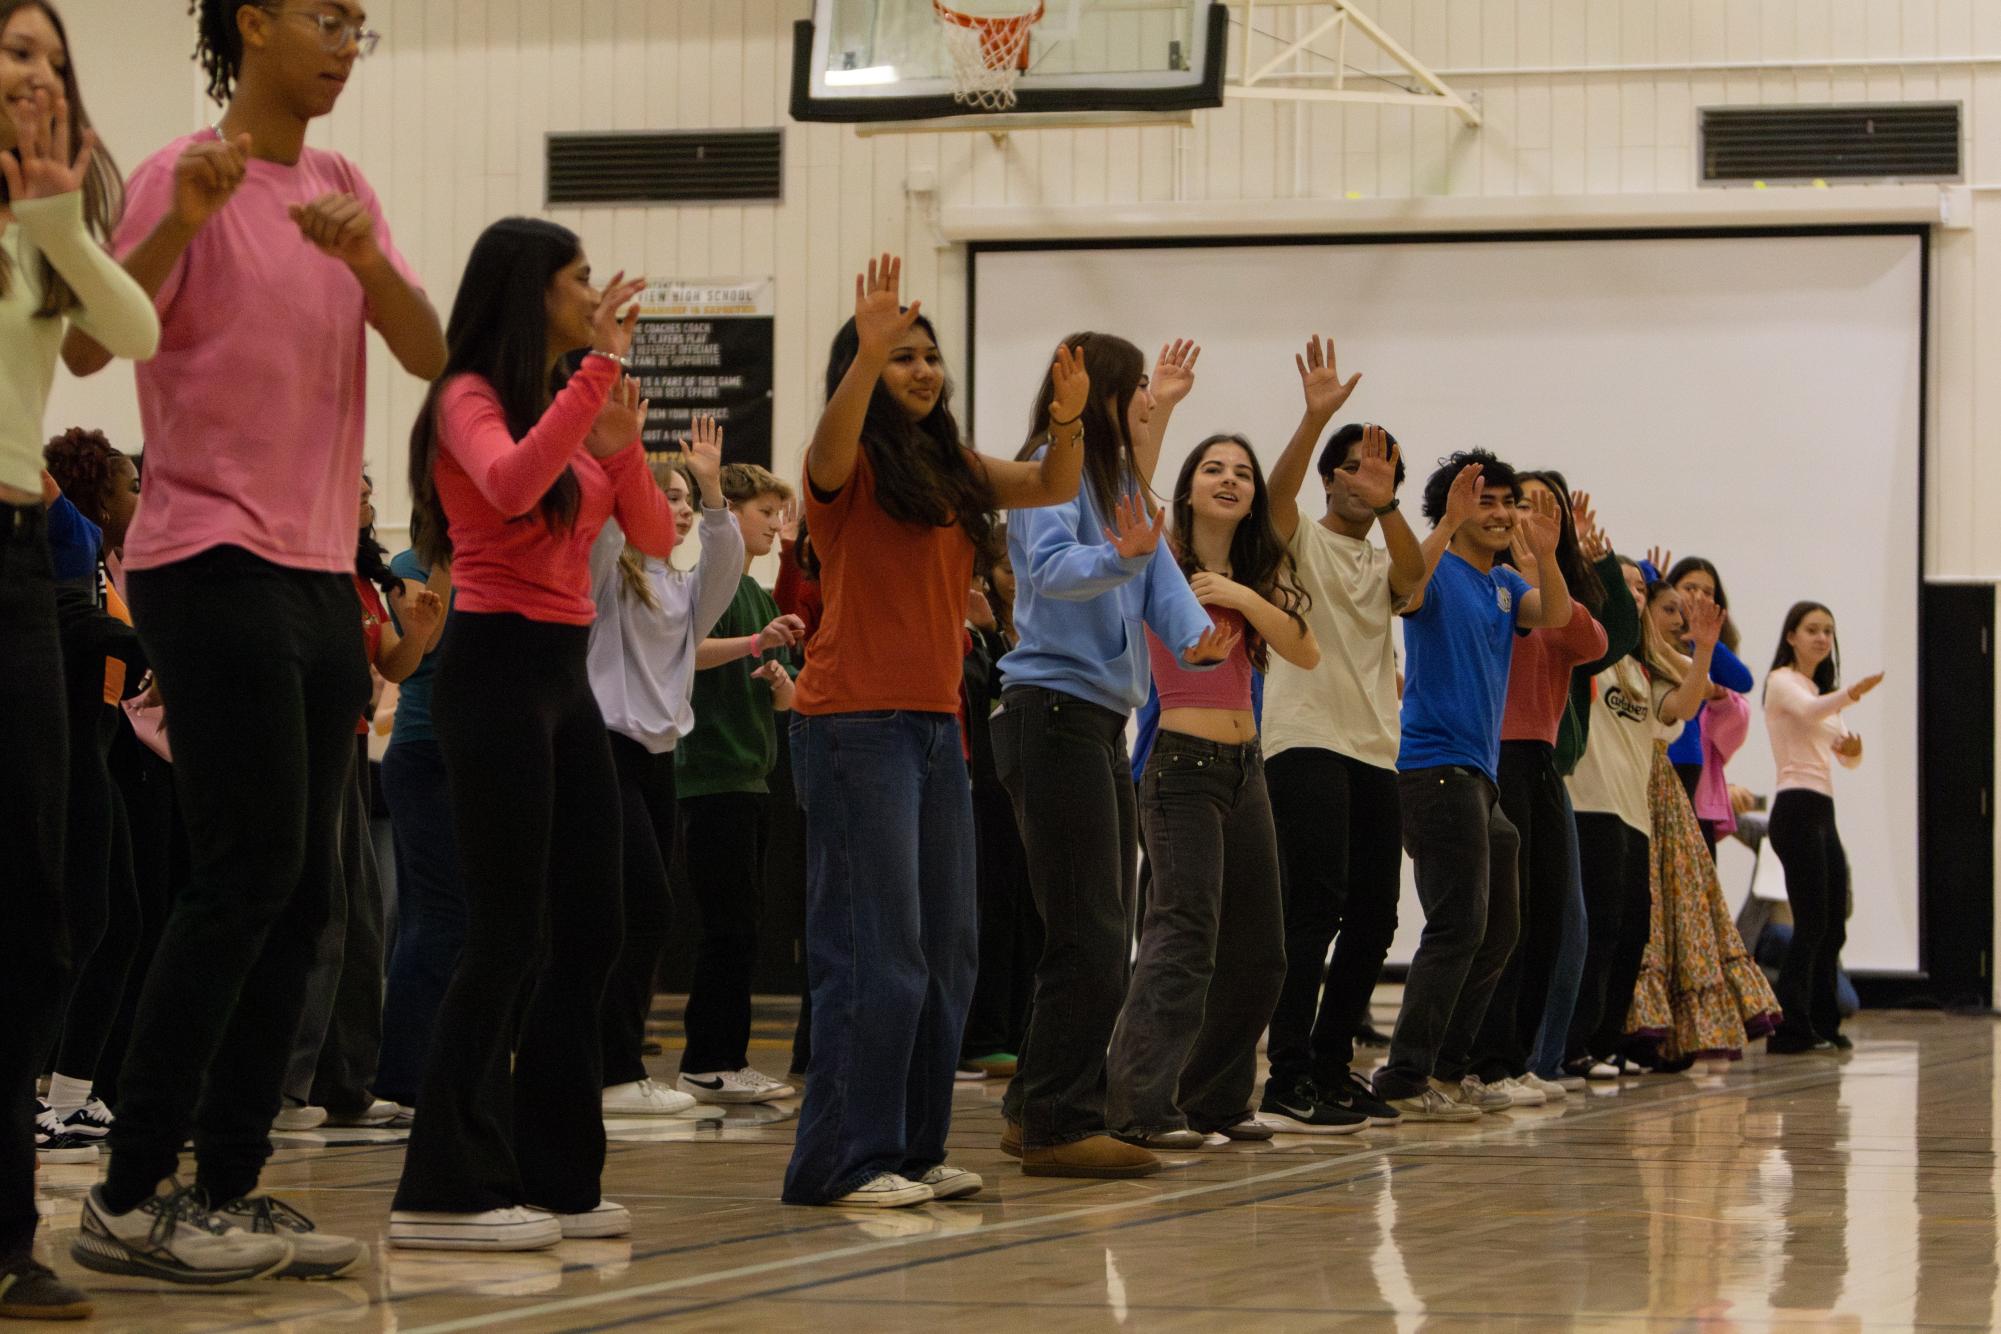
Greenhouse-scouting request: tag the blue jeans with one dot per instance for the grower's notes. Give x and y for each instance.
(891, 943)
(430, 914)
(1567, 979)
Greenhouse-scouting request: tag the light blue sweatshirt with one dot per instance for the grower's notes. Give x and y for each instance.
(1079, 606)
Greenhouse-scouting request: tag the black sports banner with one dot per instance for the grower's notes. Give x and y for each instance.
(704, 349)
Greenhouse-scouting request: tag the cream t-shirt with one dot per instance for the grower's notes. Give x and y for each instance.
(1612, 775)
(1348, 704)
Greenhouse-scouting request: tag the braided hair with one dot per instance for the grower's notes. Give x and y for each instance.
(218, 45)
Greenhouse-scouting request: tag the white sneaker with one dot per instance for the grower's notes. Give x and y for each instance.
(315, 1254)
(1601, 1072)
(1552, 1090)
(304, 1117)
(604, 1220)
(951, 1183)
(1475, 1093)
(1573, 1083)
(643, 1097)
(513, 1229)
(727, 1086)
(379, 1112)
(1431, 1105)
(173, 1235)
(1520, 1094)
(885, 1190)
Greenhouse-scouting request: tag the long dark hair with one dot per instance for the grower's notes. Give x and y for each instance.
(103, 188)
(1259, 558)
(1582, 580)
(371, 560)
(1116, 369)
(499, 331)
(1688, 565)
(922, 474)
(1827, 676)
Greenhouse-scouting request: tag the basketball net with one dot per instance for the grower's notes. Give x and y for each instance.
(988, 54)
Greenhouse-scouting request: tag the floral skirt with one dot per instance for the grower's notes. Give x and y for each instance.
(1700, 994)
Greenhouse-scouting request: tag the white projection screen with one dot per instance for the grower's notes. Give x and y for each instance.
(1755, 398)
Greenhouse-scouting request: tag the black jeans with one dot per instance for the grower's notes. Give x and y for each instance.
(34, 790)
(1803, 833)
(1341, 866)
(430, 914)
(1464, 849)
(535, 806)
(340, 1029)
(262, 673)
(1614, 860)
(725, 833)
(1010, 932)
(649, 816)
(160, 867)
(1532, 799)
(1064, 763)
(1212, 958)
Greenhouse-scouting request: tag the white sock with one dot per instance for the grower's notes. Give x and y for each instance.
(68, 1094)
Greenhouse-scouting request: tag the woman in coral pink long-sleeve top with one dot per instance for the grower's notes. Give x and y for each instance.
(512, 480)
(1803, 704)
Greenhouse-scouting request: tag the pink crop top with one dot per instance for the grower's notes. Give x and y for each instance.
(1225, 686)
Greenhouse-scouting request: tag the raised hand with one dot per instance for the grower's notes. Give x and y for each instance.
(1525, 558)
(786, 631)
(1462, 498)
(1174, 372)
(1217, 590)
(420, 613)
(610, 333)
(788, 520)
(1374, 481)
(1321, 380)
(880, 319)
(340, 225)
(703, 452)
(980, 611)
(1215, 645)
(1705, 621)
(619, 420)
(1131, 535)
(42, 166)
(206, 176)
(1864, 686)
(1661, 559)
(1073, 386)
(1591, 538)
(1542, 525)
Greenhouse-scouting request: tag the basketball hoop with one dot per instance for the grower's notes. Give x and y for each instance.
(988, 54)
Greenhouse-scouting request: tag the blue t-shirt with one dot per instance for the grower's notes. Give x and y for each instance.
(1457, 648)
(413, 697)
(74, 541)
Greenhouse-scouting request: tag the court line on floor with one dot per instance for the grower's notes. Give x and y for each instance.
(587, 1301)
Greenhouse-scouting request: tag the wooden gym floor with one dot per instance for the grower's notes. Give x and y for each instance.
(1801, 1193)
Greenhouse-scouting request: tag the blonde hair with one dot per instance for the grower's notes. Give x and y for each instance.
(631, 563)
(745, 482)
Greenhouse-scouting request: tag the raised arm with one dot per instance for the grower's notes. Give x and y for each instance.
(1619, 615)
(1462, 501)
(1547, 605)
(1374, 482)
(1173, 378)
(1060, 564)
(513, 475)
(1705, 622)
(1790, 695)
(880, 320)
(1320, 380)
(720, 569)
(1053, 478)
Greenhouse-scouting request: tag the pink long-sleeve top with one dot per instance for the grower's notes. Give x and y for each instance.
(1539, 675)
(1803, 725)
(505, 558)
(1726, 721)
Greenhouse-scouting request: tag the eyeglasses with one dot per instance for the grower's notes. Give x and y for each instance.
(336, 32)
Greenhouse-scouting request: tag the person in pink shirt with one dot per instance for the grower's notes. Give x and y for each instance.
(514, 472)
(268, 262)
(1803, 705)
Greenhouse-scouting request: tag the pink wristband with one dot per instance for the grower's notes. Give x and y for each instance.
(753, 651)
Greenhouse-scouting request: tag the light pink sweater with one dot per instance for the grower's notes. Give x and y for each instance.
(1803, 725)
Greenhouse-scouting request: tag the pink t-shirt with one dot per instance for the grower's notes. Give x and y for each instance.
(253, 405)
(1226, 686)
(1539, 675)
(505, 557)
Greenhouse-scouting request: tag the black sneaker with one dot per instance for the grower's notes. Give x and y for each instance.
(1792, 1044)
(56, 1143)
(1299, 1111)
(1355, 1094)
(30, 1290)
(1838, 1041)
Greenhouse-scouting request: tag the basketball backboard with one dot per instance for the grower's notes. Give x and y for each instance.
(888, 60)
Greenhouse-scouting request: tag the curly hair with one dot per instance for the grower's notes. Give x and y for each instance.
(218, 45)
(80, 461)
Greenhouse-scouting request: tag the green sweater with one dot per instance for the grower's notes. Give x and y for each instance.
(734, 742)
(1621, 620)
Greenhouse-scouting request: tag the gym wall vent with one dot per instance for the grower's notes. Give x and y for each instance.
(676, 167)
(1900, 141)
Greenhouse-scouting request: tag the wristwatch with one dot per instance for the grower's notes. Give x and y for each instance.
(1380, 510)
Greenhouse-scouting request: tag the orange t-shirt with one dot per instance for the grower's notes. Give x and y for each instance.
(894, 593)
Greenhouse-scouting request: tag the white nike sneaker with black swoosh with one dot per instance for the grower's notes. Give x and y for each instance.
(734, 1086)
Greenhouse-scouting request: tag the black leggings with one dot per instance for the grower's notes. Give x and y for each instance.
(1802, 832)
(1614, 862)
(725, 838)
(649, 817)
(535, 806)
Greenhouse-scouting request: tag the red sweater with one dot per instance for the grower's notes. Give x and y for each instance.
(505, 558)
(1539, 677)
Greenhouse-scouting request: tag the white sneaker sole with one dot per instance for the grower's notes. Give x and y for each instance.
(1290, 1125)
(67, 1157)
(958, 1188)
(313, 1271)
(596, 1223)
(109, 1255)
(441, 1233)
(884, 1199)
(615, 1113)
(732, 1097)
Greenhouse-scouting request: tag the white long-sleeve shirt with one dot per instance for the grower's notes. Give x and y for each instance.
(112, 308)
(1803, 725)
(642, 659)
